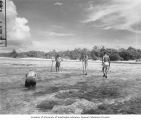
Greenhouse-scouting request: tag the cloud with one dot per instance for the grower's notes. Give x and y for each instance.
(17, 28)
(57, 26)
(117, 14)
(56, 34)
(58, 4)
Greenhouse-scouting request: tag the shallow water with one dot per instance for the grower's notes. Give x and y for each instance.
(66, 92)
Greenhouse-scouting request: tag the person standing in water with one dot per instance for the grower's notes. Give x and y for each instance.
(105, 64)
(58, 60)
(84, 59)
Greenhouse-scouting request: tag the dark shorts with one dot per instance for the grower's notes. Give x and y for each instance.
(57, 64)
(30, 82)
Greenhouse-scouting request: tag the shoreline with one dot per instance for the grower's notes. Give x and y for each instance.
(67, 60)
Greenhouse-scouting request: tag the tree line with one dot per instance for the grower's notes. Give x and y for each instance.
(95, 53)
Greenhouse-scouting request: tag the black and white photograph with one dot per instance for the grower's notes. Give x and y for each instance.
(70, 57)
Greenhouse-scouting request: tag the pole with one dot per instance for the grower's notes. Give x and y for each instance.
(52, 59)
(83, 67)
(5, 26)
(51, 66)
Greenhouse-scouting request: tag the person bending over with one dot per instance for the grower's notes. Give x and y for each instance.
(31, 77)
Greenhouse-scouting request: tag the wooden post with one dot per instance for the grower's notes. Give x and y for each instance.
(5, 27)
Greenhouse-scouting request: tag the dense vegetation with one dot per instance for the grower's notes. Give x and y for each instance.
(95, 53)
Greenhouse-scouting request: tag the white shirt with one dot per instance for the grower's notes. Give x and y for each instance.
(31, 74)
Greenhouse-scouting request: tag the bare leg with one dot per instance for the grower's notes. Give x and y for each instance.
(86, 65)
(83, 66)
(106, 71)
(58, 69)
(103, 70)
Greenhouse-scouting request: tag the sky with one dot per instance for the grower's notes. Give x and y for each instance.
(67, 24)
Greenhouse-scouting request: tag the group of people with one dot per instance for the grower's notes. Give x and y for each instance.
(105, 64)
(31, 76)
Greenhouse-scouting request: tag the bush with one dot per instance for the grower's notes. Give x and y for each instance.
(115, 57)
(93, 56)
(95, 53)
(125, 55)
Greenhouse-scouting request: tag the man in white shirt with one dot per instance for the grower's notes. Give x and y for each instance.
(31, 77)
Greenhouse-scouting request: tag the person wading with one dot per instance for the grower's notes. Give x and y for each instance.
(105, 64)
(58, 60)
(84, 59)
